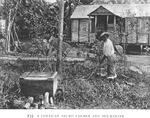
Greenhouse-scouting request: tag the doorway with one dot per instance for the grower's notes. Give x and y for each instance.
(101, 23)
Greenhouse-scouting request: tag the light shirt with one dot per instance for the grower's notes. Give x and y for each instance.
(108, 48)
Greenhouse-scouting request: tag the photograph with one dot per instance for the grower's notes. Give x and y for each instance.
(75, 58)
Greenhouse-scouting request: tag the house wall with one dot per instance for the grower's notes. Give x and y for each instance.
(80, 31)
(138, 30)
(74, 32)
(114, 36)
(2, 26)
(83, 30)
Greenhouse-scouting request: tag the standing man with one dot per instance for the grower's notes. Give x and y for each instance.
(109, 54)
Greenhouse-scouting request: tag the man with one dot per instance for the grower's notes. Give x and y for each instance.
(109, 53)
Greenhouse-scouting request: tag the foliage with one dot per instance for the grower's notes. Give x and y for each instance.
(80, 92)
(120, 1)
(37, 19)
(86, 1)
(97, 92)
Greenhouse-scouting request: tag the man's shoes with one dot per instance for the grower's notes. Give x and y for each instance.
(112, 77)
(103, 74)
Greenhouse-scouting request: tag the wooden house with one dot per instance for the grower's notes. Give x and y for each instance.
(127, 23)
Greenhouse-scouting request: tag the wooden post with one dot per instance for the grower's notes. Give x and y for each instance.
(137, 30)
(125, 41)
(148, 39)
(149, 31)
(95, 24)
(89, 29)
(115, 23)
(78, 31)
(60, 37)
(8, 32)
(107, 21)
(124, 54)
(126, 31)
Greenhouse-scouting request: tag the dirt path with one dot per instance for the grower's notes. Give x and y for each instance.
(139, 59)
(38, 58)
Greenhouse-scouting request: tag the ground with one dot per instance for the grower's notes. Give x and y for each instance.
(129, 91)
(139, 59)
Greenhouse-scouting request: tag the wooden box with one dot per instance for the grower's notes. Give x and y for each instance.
(34, 84)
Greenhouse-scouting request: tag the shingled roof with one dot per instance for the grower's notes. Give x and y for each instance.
(122, 10)
(82, 11)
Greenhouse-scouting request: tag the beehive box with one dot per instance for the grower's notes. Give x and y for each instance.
(34, 84)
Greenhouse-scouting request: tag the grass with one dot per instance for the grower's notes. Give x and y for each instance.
(79, 92)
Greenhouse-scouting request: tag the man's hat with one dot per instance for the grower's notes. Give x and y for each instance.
(104, 33)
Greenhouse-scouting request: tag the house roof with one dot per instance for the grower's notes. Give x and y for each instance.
(129, 10)
(82, 11)
(122, 10)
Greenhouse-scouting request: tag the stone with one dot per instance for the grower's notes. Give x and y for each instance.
(27, 105)
(36, 106)
(135, 69)
(144, 68)
(141, 90)
(30, 100)
(52, 102)
(19, 103)
(1, 86)
(46, 99)
(119, 49)
(142, 84)
(130, 83)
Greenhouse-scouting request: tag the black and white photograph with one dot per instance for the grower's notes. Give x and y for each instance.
(88, 58)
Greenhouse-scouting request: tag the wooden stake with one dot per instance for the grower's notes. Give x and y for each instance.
(60, 41)
(89, 29)
(46, 99)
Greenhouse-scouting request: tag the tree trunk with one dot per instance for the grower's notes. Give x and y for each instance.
(70, 20)
(10, 24)
(8, 32)
(15, 32)
(60, 37)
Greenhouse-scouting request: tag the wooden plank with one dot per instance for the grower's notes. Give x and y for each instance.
(13, 58)
(131, 29)
(89, 24)
(60, 36)
(143, 30)
(74, 31)
(78, 30)
(95, 24)
(107, 21)
(101, 11)
(142, 38)
(114, 22)
(125, 36)
(84, 30)
(137, 31)
(149, 31)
